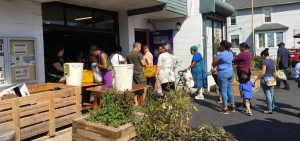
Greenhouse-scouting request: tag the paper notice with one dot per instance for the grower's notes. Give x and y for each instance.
(20, 48)
(22, 74)
(28, 60)
(16, 60)
(2, 79)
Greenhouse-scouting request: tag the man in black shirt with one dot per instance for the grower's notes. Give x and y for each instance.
(283, 59)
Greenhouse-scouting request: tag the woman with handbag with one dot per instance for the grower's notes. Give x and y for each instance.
(267, 79)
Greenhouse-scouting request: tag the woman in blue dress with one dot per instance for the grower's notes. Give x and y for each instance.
(198, 72)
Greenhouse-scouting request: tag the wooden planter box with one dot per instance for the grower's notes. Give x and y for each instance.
(236, 86)
(83, 130)
(41, 112)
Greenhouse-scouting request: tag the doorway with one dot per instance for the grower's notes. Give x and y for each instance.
(142, 36)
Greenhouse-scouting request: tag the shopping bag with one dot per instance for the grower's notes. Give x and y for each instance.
(280, 75)
(97, 74)
(149, 71)
(189, 79)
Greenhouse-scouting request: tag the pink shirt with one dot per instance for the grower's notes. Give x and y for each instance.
(148, 57)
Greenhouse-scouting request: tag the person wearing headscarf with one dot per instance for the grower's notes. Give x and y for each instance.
(198, 71)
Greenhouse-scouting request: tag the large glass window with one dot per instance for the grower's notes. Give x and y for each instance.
(78, 17)
(104, 21)
(267, 14)
(233, 19)
(269, 39)
(235, 40)
(53, 14)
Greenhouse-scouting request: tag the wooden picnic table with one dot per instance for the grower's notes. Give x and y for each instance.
(98, 90)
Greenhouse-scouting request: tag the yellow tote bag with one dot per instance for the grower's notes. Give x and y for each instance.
(149, 71)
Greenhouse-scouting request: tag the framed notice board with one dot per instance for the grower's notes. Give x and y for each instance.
(23, 66)
(2, 64)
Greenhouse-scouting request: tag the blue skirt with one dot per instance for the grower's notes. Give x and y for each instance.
(199, 75)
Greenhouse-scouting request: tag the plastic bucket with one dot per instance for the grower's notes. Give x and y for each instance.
(123, 77)
(73, 73)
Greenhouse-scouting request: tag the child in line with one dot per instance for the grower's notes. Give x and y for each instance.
(246, 92)
(215, 76)
(297, 73)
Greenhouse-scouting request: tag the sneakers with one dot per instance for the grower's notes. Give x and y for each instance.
(287, 88)
(249, 113)
(268, 112)
(199, 97)
(224, 111)
(232, 108)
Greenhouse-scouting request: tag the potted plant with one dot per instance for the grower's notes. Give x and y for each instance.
(111, 121)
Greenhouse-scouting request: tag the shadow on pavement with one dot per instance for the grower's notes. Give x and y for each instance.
(279, 108)
(265, 130)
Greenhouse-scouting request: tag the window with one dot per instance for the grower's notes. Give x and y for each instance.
(53, 14)
(235, 40)
(267, 14)
(79, 17)
(104, 21)
(233, 18)
(261, 37)
(269, 39)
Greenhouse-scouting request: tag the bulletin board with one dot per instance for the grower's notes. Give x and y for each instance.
(22, 60)
(2, 64)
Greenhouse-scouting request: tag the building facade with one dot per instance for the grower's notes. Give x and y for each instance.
(275, 21)
(79, 24)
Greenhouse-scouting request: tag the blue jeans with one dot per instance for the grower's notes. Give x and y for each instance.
(269, 92)
(225, 83)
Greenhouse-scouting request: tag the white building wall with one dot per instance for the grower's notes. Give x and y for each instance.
(287, 15)
(127, 26)
(20, 18)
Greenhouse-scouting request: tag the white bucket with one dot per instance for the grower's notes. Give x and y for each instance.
(123, 77)
(73, 73)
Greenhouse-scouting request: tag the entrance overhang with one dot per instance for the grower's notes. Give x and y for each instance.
(155, 12)
(217, 6)
(111, 5)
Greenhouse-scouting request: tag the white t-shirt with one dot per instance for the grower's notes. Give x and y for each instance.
(116, 59)
(167, 63)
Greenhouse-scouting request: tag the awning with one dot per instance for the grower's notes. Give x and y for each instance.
(297, 36)
(271, 26)
(217, 6)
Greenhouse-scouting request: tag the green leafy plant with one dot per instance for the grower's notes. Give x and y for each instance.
(116, 109)
(166, 119)
(256, 63)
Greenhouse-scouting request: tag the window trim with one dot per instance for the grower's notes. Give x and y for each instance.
(238, 34)
(266, 38)
(235, 19)
(263, 13)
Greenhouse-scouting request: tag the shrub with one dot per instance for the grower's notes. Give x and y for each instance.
(166, 119)
(116, 109)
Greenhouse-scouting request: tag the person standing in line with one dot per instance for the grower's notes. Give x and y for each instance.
(165, 72)
(297, 73)
(135, 57)
(198, 72)
(148, 57)
(267, 74)
(225, 74)
(283, 60)
(101, 60)
(56, 66)
(116, 58)
(215, 76)
(243, 64)
(246, 92)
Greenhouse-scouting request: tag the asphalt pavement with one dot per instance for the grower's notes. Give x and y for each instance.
(282, 125)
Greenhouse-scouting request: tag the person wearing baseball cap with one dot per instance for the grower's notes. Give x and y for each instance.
(283, 60)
